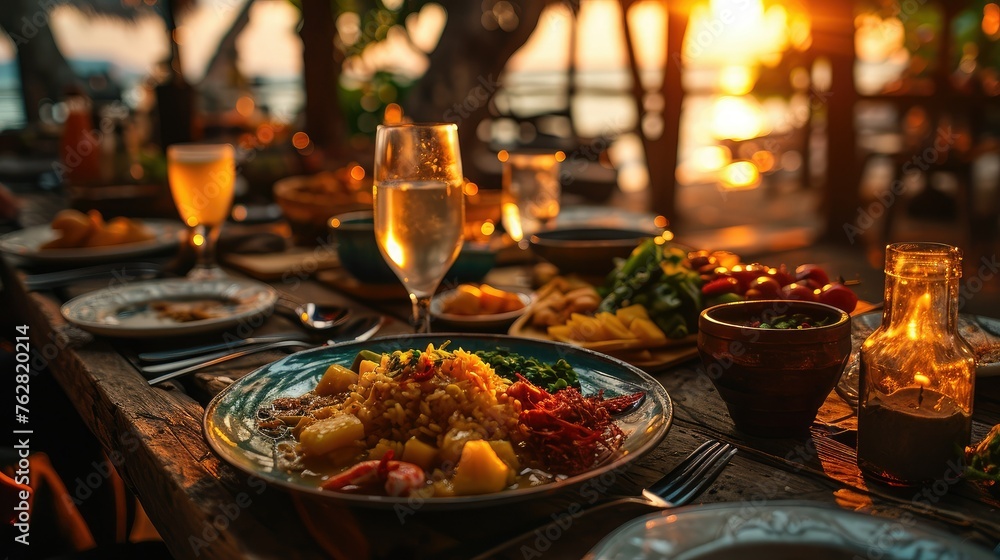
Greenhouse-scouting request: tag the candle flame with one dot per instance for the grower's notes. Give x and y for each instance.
(922, 380)
(917, 315)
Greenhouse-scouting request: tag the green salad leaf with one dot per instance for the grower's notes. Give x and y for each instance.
(552, 377)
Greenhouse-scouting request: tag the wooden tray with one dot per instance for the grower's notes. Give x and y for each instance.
(649, 359)
(675, 352)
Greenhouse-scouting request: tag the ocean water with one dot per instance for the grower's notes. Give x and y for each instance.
(11, 107)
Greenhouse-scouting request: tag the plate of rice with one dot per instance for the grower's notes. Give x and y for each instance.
(446, 420)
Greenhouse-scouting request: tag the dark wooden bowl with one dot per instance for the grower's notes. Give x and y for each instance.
(773, 381)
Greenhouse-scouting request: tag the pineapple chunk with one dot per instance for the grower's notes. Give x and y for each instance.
(420, 453)
(367, 366)
(505, 451)
(324, 436)
(337, 379)
(479, 470)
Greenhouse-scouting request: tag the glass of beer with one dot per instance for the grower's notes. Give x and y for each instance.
(419, 207)
(201, 181)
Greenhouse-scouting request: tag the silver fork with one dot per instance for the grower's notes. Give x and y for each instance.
(191, 365)
(577, 531)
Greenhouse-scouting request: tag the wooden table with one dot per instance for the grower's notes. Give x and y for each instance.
(204, 508)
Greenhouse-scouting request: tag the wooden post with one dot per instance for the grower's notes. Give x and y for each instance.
(833, 39)
(661, 154)
(321, 75)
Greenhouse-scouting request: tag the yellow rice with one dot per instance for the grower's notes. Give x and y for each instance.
(463, 396)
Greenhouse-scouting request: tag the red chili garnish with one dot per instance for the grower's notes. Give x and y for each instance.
(565, 430)
(424, 369)
(617, 405)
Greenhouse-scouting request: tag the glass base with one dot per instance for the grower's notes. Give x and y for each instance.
(206, 273)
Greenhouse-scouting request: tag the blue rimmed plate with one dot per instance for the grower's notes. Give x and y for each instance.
(231, 418)
(776, 531)
(151, 309)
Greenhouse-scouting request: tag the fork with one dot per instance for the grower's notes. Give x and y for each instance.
(575, 534)
(123, 272)
(370, 324)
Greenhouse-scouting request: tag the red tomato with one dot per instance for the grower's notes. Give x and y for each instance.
(746, 273)
(767, 286)
(813, 273)
(719, 286)
(782, 275)
(799, 291)
(839, 296)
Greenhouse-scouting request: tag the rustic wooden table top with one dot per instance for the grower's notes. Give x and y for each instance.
(204, 508)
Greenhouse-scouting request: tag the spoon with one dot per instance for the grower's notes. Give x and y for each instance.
(314, 316)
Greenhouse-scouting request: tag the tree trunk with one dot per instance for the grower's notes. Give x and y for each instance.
(321, 74)
(465, 68)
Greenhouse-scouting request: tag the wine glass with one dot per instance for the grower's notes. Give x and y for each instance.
(201, 181)
(530, 197)
(419, 207)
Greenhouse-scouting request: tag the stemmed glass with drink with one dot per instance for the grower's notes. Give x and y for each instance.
(201, 179)
(419, 207)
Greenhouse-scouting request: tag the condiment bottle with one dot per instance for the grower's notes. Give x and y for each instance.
(80, 143)
(917, 373)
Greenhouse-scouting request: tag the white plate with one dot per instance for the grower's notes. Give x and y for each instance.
(125, 311)
(484, 321)
(864, 324)
(778, 531)
(25, 244)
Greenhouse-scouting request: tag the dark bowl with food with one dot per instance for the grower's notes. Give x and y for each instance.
(354, 234)
(587, 251)
(774, 361)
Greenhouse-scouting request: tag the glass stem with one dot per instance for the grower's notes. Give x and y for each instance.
(421, 313)
(205, 250)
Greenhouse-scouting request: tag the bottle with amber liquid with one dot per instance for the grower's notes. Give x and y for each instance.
(917, 374)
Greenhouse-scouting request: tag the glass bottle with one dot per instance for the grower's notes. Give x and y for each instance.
(80, 143)
(917, 374)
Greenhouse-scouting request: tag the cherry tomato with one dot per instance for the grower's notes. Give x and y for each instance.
(755, 294)
(725, 285)
(839, 296)
(782, 275)
(699, 259)
(799, 291)
(812, 273)
(767, 286)
(747, 273)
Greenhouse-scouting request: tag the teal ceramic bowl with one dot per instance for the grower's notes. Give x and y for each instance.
(354, 234)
